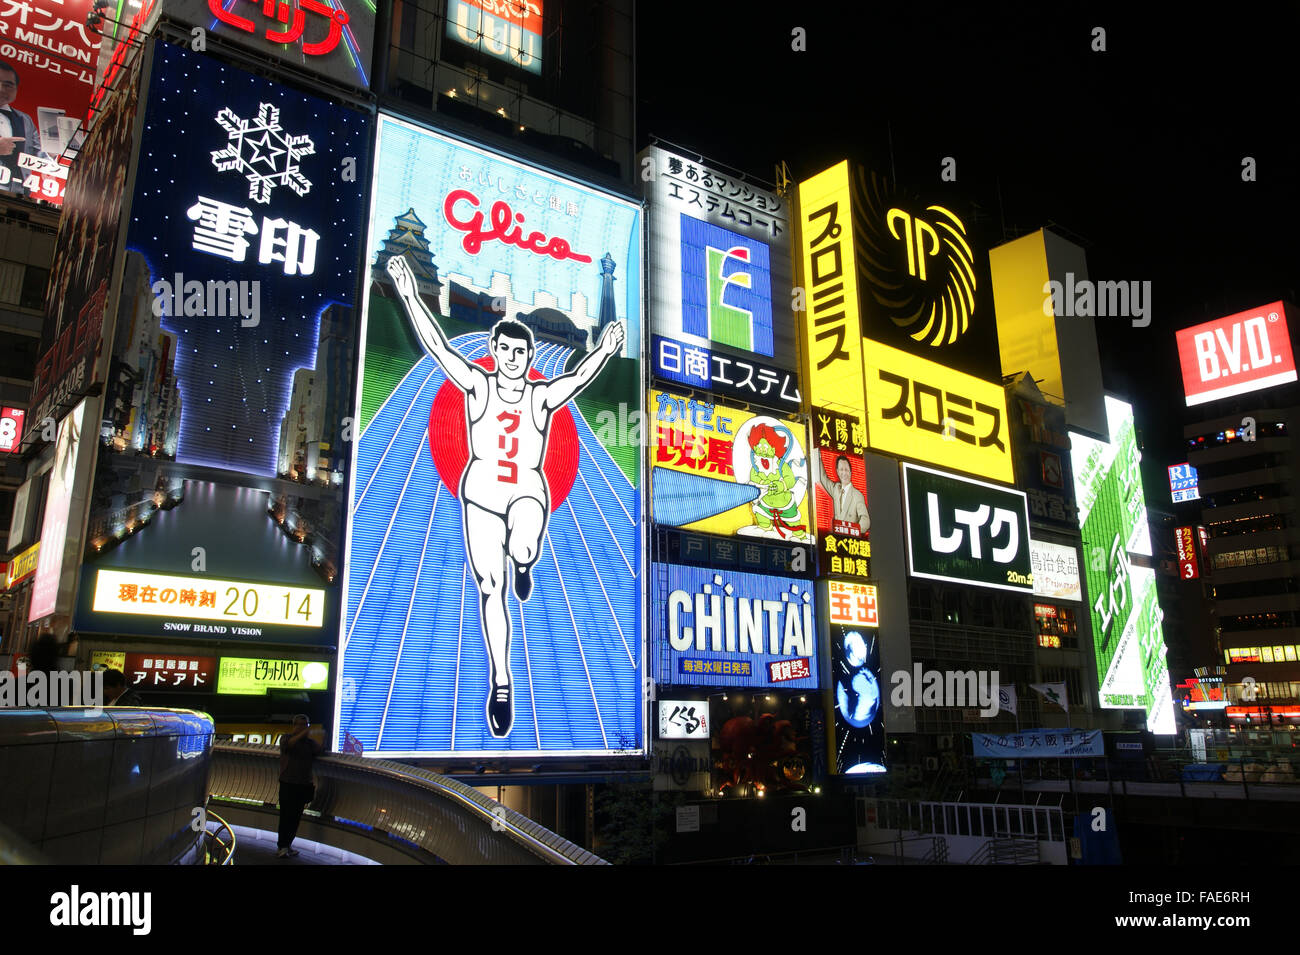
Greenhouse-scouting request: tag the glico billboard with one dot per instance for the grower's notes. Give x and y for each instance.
(720, 315)
(1128, 640)
(218, 504)
(1245, 352)
(494, 572)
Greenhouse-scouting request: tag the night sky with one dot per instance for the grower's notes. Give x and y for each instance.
(1134, 153)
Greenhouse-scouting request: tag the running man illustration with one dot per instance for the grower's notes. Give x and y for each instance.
(504, 494)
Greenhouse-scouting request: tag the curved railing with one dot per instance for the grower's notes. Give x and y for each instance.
(120, 786)
(387, 801)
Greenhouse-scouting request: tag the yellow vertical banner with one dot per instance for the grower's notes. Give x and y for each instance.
(831, 320)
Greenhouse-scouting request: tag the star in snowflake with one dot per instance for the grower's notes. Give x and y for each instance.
(263, 153)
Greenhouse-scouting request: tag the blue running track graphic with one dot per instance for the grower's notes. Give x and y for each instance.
(412, 639)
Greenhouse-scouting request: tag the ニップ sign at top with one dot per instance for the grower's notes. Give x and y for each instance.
(332, 38)
(1245, 352)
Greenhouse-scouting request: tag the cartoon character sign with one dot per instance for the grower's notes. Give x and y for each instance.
(722, 470)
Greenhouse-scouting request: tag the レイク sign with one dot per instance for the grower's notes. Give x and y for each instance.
(1245, 352)
(966, 531)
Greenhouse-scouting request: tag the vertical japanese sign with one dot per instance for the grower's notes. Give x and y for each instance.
(840, 475)
(218, 501)
(832, 323)
(86, 250)
(720, 304)
(58, 503)
(47, 75)
(1126, 618)
(859, 710)
(494, 574)
(1188, 564)
(725, 471)
(331, 38)
(509, 30)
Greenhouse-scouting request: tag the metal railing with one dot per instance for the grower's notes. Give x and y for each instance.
(392, 802)
(219, 848)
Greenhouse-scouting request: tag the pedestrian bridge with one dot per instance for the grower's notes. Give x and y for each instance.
(133, 786)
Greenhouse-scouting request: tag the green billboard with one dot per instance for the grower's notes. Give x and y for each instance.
(1128, 641)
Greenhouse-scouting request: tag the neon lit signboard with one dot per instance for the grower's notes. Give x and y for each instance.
(244, 676)
(966, 531)
(1184, 483)
(1235, 355)
(495, 528)
(509, 30)
(719, 303)
(1126, 618)
(725, 471)
(859, 713)
(230, 379)
(729, 628)
(332, 38)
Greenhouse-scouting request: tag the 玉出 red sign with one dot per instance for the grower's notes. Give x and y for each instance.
(1241, 353)
(1187, 563)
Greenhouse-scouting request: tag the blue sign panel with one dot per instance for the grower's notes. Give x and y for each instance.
(493, 579)
(726, 287)
(1184, 483)
(217, 510)
(730, 628)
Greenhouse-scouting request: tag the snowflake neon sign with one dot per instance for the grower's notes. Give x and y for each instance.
(262, 151)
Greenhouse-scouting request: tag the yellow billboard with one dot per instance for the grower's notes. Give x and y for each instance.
(720, 470)
(1026, 321)
(24, 565)
(829, 280)
(928, 412)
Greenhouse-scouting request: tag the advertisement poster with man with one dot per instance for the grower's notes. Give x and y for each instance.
(47, 75)
(494, 567)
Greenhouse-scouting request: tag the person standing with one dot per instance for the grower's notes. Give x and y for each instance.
(18, 134)
(297, 789)
(849, 506)
(117, 693)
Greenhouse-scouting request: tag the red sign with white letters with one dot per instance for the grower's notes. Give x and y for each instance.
(11, 428)
(1235, 355)
(1187, 562)
(169, 671)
